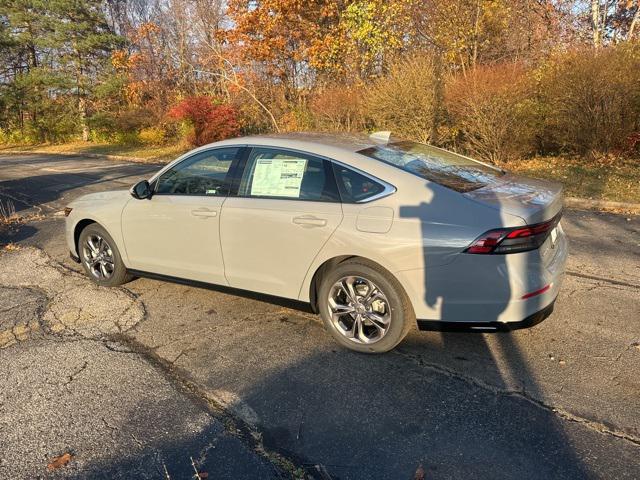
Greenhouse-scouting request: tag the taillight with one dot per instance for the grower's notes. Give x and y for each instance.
(513, 240)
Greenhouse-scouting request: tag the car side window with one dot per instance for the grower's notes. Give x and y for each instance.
(205, 173)
(278, 173)
(355, 187)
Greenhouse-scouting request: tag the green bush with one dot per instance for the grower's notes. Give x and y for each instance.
(589, 100)
(404, 100)
(15, 136)
(152, 136)
(126, 138)
(488, 112)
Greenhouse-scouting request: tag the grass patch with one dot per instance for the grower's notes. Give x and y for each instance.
(606, 178)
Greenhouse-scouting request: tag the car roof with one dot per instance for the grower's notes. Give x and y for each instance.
(336, 146)
(349, 142)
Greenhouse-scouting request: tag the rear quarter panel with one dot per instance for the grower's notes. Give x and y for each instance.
(431, 226)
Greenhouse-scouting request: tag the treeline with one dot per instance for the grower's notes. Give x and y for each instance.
(500, 79)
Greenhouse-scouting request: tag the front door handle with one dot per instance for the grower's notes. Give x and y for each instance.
(309, 221)
(204, 212)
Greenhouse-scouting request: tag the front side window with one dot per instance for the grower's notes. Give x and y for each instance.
(436, 165)
(205, 173)
(277, 173)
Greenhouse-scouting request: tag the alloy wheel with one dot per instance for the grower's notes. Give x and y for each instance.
(98, 257)
(359, 310)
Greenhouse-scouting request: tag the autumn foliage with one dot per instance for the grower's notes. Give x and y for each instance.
(210, 122)
(498, 79)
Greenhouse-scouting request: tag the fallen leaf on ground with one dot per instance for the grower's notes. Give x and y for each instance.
(60, 461)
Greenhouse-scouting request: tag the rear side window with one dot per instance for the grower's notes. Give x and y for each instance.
(355, 187)
(278, 173)
(436, 165)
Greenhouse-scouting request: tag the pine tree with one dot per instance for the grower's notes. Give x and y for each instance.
(53, 50)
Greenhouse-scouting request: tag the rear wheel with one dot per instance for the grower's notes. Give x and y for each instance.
(364, 307)
(100, 257)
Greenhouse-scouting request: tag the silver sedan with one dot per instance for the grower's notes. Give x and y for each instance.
(379, 235)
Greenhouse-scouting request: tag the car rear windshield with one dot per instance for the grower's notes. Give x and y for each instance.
(436, 165)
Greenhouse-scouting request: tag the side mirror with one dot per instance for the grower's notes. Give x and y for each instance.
(141, 190)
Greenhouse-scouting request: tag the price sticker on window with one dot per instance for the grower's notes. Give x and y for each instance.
(278, 177)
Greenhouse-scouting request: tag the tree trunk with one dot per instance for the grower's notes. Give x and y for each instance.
(82, 101)
(438, 96)
(82, 108)
(476, 30)
(596, 26)
(634, 22)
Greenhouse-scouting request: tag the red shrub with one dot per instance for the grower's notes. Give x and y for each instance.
(210, 122)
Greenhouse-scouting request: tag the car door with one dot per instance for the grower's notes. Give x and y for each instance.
(176, 231)
(286, 208)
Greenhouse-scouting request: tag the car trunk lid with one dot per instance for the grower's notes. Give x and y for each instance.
(531, 199)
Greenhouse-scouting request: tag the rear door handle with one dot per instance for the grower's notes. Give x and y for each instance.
(309, 221)
(204, 212)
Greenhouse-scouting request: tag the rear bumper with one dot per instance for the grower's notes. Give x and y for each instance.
(487, 290)
(530, 321)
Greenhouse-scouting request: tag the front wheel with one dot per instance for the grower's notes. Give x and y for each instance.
(364, 307)
(100, 257)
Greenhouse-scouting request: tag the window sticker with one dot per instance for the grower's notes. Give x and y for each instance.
(278, 177)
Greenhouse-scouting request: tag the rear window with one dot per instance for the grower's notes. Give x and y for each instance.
(436, 165)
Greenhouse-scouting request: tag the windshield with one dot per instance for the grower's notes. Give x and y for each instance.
(436, 165)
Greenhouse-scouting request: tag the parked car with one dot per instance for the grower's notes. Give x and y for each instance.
(377, 234)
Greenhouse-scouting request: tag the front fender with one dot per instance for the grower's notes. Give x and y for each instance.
(107, 215)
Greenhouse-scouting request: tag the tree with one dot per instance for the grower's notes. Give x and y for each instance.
(466, 33)
(84, 41)
(613, 20)
(274, 37)
(56, 50)
(366, 37)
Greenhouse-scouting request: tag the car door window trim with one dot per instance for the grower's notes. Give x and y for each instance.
(326, 165)
(229, 178)
(389, 189)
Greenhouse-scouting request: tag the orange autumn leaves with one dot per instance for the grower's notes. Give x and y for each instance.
(332, 38)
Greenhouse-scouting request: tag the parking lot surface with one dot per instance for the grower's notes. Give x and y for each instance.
(148, 377)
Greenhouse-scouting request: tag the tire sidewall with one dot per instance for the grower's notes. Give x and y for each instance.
(392, 290)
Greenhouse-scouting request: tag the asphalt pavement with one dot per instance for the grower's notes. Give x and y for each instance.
(136, 380)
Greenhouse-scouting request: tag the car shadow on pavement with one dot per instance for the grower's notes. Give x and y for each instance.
(43, 189)
(364, 416)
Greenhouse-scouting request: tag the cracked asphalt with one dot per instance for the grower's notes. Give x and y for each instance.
(136, 380)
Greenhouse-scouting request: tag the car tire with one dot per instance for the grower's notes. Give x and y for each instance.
(392, 305)
(100, 257)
